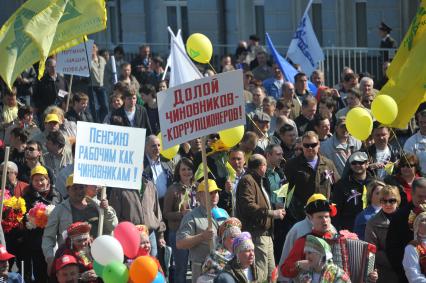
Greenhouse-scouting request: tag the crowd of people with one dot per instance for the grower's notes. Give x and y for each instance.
(338, 187)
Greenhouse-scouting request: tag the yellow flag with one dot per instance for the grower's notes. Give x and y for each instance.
(231, 171)
(17, 50)
(282, 192)
(289, 197)
(63, 24)
(407, 72)
(364, 197)
(185, 199)
(200, 172)
(389, 167)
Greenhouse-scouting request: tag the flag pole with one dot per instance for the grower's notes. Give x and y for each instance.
(69, 94)
(90, 79)
(206, 186)
(101, 213)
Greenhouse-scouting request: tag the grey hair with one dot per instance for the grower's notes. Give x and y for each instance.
(420, 182)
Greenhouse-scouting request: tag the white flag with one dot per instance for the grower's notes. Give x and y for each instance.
(182, 68)
(304, 47)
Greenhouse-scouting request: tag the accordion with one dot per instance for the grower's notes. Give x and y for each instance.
(355, 257)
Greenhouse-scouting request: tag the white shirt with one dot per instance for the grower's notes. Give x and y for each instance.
(412, 266)
(248, 274)
(416, 144)
(131, 117)
(159, 177)
(382, 156)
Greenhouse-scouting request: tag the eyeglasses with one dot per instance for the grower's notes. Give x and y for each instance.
(310, 145)
(30, 148)
(358, 162)
(389, 201)
(408, 165)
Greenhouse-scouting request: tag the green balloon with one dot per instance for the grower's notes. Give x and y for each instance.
(99, 269)
(115, 272)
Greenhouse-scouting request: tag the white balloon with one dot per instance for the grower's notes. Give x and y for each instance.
(106, 249)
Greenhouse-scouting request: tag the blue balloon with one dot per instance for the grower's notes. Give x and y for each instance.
(159, 278)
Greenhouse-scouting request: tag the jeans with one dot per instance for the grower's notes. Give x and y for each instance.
(98, 99)
(180, 259)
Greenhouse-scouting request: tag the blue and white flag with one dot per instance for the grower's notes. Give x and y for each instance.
(286, 68)
(304, 47)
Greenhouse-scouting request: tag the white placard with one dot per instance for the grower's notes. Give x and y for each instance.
(73, 61)
(201, 107)
(107, 155)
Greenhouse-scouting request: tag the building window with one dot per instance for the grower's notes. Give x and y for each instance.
(113, 23)
(259, 17)
(317, 20)
(361, 23)
(177, 16)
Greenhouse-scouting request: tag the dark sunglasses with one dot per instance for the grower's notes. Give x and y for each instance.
(358, 162)
(408, 165)
(30, 148)
(310, 145)
(390, 201)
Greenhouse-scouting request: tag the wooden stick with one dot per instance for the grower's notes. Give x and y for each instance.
(206, 185)
(101, 214)
(3, 186)
(69, 94)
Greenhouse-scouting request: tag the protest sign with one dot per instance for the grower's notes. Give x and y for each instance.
(73, 61)
(201, 107)
(107, 155)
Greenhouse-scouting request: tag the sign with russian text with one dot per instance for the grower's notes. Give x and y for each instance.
(201, 107)
(107, 155)
(73, 61)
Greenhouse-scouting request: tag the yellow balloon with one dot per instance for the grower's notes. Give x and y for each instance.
(199, 48)
(231, 137)
(359, 123)
(170, 152)
(385, 109)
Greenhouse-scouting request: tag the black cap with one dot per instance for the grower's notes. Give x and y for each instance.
(385, 27)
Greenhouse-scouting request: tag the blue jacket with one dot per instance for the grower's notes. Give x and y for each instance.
(361, 221)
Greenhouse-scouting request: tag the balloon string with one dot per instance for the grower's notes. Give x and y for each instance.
(212, 67)
(400, 147)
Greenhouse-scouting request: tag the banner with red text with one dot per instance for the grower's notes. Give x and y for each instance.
(201, 107)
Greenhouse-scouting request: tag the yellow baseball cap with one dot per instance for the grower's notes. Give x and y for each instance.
(70, 181)
(51, 118)
(212, 186)
(39, 170)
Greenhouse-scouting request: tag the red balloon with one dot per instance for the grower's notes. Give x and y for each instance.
(143, 270)
(129, 237)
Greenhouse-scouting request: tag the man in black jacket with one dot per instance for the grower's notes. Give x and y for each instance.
(131, 114)
(48, 88)
(78, 111)
(399, 233)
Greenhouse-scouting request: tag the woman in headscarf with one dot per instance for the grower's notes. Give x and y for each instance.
(321, 266)
(241, 268)
(414, 261)
(217, 260)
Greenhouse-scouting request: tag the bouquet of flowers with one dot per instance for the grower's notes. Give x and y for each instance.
(38, 215)
(13, 212)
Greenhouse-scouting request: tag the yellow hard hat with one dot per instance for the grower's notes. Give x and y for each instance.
(212, 186)
(39, 170)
